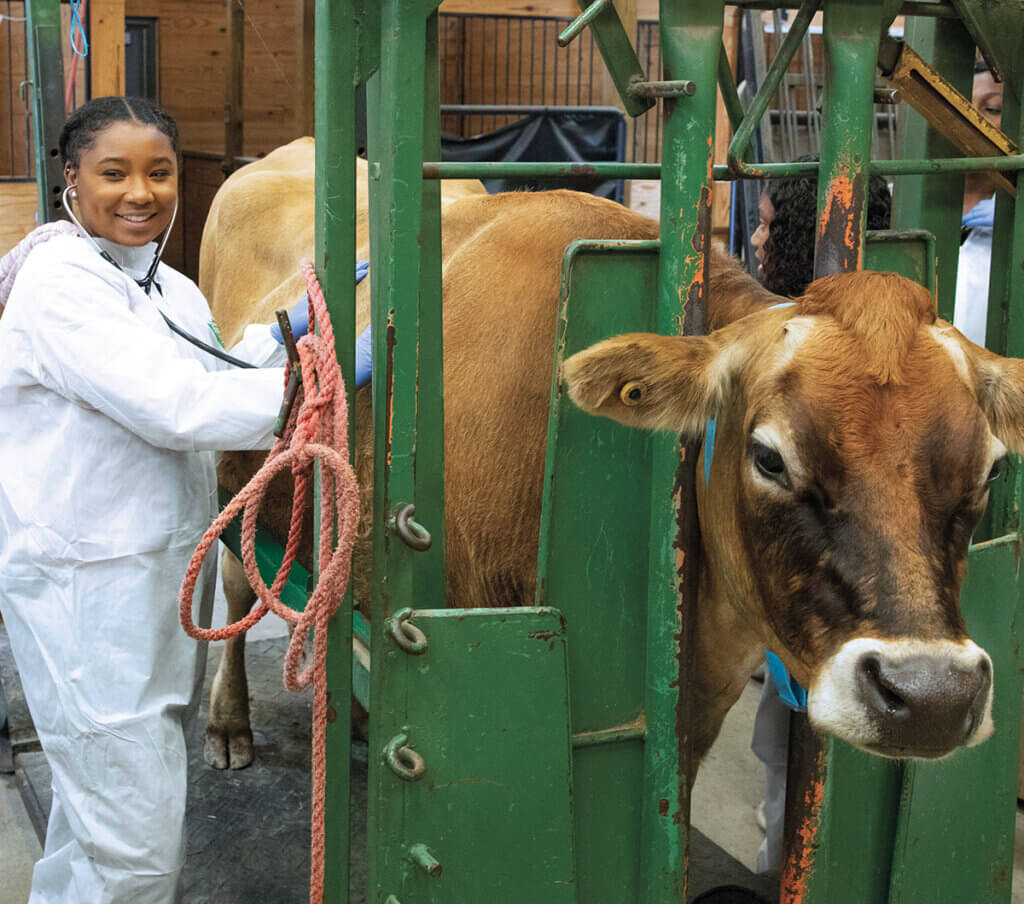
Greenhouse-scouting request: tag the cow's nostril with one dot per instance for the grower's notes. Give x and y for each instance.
(882, 693)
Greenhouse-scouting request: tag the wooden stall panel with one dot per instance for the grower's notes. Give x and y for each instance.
(18, 203)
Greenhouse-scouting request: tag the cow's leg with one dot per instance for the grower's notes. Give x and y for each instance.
(228, 733)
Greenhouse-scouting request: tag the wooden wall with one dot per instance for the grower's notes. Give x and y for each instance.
(18, 203)
(192, 59)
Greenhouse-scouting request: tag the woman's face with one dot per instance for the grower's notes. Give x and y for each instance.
(760, 236)
(126, 183)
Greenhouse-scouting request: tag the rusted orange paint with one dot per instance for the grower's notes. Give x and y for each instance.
(801, 861)
(389, 392)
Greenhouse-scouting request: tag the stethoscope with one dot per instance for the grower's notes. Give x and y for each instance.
(148, 281)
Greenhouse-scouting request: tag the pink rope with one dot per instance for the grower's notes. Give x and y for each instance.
(317, 429)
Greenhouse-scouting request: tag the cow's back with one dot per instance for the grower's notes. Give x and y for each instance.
(502, 259)
(502, 266)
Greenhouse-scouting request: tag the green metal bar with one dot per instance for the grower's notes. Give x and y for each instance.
(772, 80)
(838, 832)
(727, 85)
(575, 28)
(337, 25)
(396, 99)
(1005, 328)
(797, 169)
(619, 56)
(46, 72)
(430, 564)
(933, 202)
(851, 37)
(691, 43)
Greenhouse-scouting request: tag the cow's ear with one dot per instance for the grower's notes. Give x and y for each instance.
(1000, 388)
(658, 382)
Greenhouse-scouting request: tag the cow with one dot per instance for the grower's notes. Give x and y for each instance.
(855, 438)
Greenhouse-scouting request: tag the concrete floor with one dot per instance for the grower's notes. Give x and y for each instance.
(725, 796)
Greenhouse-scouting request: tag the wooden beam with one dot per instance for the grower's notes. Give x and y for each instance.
(234, 85)
(304, 64)
(647, 10)
(106, 47)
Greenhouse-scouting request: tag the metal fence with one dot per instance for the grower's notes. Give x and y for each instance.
(516, 60)
(511, 60)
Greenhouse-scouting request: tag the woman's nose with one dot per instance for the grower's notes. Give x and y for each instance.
(140, 190)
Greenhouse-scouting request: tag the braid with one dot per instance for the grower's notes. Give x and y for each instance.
(82, 126)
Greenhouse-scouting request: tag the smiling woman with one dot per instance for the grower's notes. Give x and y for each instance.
(110, 422)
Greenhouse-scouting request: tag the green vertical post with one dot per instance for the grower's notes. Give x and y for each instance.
(406, 411)
(691, 42)
(851, 37)
(933, 202)
(46, 72)
(335, 225)
(430, 564)
(837, 840)
(1005, 333)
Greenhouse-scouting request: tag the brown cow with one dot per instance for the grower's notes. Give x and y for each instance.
(855, 440)
(851, 461)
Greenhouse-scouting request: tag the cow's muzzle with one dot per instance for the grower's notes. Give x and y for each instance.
(905, 698)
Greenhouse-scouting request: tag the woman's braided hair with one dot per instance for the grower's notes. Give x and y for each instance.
(788, 264)
(82, 126)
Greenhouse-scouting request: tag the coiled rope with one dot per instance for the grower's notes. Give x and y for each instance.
(317, 429)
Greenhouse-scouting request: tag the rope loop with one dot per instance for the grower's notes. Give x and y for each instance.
(317, 430)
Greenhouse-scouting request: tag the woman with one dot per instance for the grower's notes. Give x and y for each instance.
(109, 425)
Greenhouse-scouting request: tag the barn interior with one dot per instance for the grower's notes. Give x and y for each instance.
(238, 78)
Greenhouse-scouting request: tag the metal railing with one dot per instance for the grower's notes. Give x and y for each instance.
(511, 61)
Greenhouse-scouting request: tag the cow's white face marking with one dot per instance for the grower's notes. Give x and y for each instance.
(796, 332)
(836, 699)
(944, 336)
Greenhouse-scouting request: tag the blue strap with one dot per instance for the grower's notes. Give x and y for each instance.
(790, 691)
(709, 447)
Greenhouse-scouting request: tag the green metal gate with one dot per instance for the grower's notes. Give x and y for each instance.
(520, 802)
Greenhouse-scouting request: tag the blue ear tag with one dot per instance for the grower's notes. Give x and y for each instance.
(790, 691)
(709, 447)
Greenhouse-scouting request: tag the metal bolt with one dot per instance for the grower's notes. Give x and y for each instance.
(421, 856)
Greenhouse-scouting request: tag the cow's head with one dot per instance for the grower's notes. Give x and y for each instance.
(855, 440)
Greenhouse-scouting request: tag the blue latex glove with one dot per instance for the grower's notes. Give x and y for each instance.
(298, 316)
(364, 358)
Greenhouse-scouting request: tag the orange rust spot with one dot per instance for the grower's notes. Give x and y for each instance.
(801, 862)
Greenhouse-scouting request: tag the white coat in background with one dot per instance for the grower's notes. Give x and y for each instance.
(972, 273)
(109, 425)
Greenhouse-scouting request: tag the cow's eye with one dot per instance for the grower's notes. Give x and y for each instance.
(768, 461)
(997, 469)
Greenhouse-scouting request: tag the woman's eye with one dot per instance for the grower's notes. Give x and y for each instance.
(997, 469)
(768, 461)
(112, 174)
(159, 174)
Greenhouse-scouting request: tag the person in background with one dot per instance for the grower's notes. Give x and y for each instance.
(970, 312)
(783, 242)
(783, 245)
(110, 419)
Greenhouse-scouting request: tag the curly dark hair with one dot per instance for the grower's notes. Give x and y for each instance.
(788, 263)
(82, 126)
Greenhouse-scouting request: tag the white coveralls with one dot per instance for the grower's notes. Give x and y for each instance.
(109, 425)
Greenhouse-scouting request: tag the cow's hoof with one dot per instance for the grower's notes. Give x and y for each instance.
(227, 749)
